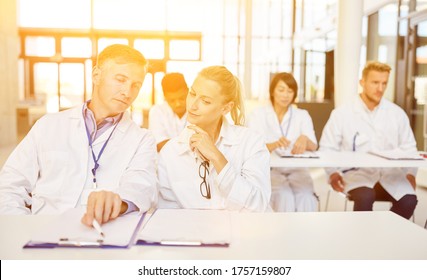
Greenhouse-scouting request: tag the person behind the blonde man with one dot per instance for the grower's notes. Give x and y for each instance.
(288, 128)
(370, 122)
(92, 156)
(168, 119)
(214, 164)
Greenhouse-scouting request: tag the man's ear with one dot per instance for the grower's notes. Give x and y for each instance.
(227, 108)
(96, 75)
(362, 82)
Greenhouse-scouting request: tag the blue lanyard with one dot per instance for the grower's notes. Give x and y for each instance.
(96, 159)
(289, 123)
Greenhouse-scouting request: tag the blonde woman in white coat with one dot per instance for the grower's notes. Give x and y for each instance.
(213, 164)
(286, 127)
(376, 124)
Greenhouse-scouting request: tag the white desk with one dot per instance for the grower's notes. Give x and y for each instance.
(323, 235)
(344, 159)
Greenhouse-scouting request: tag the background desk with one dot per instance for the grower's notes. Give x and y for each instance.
(323, 235)
(343, 159)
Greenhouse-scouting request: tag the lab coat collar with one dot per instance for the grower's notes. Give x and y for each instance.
(360, 106)
(273, 116)
(227, 136)
(123, 125)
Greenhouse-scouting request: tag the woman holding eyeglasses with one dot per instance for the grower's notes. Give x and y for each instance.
(288, 129)
(213, 164)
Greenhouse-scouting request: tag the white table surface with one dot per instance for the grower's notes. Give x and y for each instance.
(344, 159)
(319, 235)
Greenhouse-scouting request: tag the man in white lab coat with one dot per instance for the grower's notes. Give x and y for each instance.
(168, 119)
(92, 155)
(370, 122)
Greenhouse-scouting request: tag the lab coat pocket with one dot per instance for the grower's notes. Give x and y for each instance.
(360, 141)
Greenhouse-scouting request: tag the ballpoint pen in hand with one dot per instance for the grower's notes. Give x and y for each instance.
(98, 228)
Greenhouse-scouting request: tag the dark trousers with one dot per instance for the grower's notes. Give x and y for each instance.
(365, 197)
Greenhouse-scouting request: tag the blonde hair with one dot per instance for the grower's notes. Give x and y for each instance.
(231, 89)
(375, 66)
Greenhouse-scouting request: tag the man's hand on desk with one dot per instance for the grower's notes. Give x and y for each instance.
(337, 182)
(411, 179)
(103, 206)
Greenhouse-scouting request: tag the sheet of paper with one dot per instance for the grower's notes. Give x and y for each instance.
(398, 155)
(68, 226)
(187, 227)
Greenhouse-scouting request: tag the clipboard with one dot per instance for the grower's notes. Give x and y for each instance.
(186, 227)
(286, 153)
(67, 231)
(397, 155)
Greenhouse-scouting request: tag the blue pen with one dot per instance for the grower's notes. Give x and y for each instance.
(354, 141)
(354, 149)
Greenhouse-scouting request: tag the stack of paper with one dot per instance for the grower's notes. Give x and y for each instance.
(186, 227)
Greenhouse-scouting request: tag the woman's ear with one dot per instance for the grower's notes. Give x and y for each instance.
(227, 108)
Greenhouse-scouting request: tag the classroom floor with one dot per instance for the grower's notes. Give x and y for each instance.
(336, 202)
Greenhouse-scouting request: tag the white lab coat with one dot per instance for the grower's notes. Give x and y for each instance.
(292, 188)
(243, 184)
(385, 128)
(53, 163)
(164, 123)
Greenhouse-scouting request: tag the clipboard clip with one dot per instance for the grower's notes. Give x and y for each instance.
(66, 242)
(180, 243)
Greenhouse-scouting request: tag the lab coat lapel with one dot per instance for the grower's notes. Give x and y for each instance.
(184, 140)
(79, 145)
(227, 139)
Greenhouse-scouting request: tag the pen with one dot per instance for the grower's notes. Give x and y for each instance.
(98, 228)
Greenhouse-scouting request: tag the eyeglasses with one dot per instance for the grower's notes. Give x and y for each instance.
(205, 189)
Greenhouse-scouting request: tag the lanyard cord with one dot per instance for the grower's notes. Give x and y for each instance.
(96, 159)
(289, 123)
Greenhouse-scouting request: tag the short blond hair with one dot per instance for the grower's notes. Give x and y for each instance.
(121, 54)
(375, 66)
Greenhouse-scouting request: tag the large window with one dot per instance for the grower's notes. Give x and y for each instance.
(57, 51)
(315, 37)
(271, 43)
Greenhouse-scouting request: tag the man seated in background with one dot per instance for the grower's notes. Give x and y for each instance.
(370, 122)
(168, 119)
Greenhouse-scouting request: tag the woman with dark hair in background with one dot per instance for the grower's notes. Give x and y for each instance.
(286, 127)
